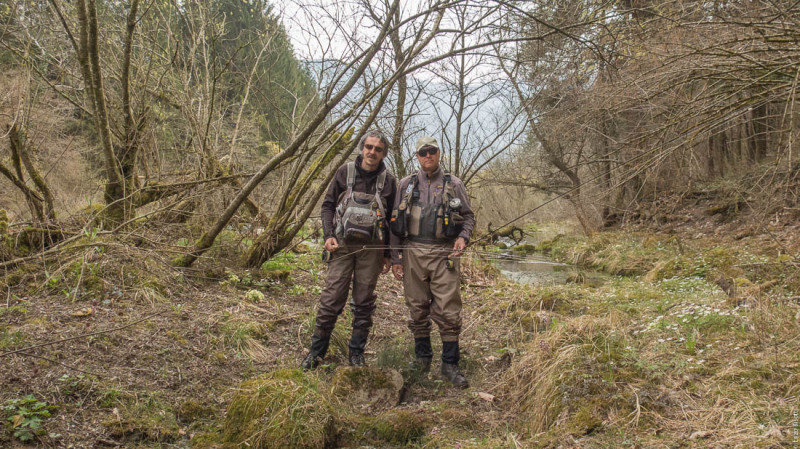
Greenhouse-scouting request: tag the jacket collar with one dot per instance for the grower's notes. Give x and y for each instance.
(435, 175)
(368, 174)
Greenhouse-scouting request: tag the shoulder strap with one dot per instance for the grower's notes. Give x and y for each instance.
(378, 189)
(351, 179)
(447, 186)
(351, 175)
(380, 182)
(413, 183)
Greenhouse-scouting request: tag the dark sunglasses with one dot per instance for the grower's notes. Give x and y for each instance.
(371, 147)
(426, 151)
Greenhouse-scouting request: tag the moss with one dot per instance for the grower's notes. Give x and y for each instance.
(398, 426)
(182, 261)
(277, 275)
(93, 285)
(586, 419)
(279, 267)
(547, 246)
(211, 440)
(460, 417)
(191, 410)
(281, 409)
(523, 249)
(148, 420)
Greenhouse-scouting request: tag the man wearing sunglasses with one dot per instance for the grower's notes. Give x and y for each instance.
(356, 257)
(432, 221)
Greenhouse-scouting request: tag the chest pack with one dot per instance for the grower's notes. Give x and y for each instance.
(428, 221)
(360, 216)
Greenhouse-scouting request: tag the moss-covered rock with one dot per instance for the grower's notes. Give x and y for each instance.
(368, 387)
(281, 409)
(523, 249)
(396, 426)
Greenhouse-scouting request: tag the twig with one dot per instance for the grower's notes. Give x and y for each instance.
(105, 331)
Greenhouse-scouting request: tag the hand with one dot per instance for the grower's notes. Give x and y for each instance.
(397, 271)
(331, 244)
(387, 265)
(458, 247)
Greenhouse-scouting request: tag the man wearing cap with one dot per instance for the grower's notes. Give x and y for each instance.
(357, 261)
(432, 222)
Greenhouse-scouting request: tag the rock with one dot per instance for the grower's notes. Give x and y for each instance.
(368, 387)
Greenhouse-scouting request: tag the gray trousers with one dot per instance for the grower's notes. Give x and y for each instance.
(361, 267)
(432, 291)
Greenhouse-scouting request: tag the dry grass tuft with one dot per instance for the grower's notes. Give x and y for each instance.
(538, 386)
(282, 409)
(243, 335)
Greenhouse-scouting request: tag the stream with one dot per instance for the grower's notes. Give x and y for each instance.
(539, 269)
(533, 269)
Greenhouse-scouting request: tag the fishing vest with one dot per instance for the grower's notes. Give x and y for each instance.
(359, 216)
(428, 222)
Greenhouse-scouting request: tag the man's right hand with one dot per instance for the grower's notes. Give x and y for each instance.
(331, 244)
(397, 271)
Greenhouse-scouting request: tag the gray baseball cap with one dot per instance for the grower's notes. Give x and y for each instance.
(427, 141)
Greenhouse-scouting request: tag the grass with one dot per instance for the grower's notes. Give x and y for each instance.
(657, 350)
(244, 336)
(281, 409)
(147, 417)
(646, 359)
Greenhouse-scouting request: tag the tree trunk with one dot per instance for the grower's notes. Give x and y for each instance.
(207, 239)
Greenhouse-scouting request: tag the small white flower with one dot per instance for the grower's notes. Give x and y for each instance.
(690, 359)
(661, 340)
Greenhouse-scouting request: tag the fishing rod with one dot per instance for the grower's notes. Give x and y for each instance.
(491, 255)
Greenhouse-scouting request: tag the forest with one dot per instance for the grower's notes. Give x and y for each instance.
(162, 166)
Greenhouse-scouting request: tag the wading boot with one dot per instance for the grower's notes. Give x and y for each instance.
(319, 346)
(452, 374)
(356, 346)
(450, 357)
(423, 354)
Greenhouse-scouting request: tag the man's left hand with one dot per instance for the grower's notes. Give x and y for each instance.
(387, 265)
(458, 247)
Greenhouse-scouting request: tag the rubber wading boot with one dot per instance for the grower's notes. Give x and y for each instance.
(420, 365)
(358, 341)
(423, 355)
(423, 348)
(452, 374)
(357, 359)
(319, 346)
